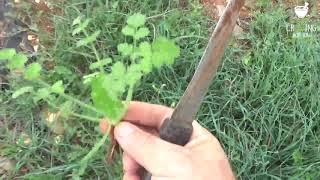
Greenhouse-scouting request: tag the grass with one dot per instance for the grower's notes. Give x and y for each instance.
(263, 104)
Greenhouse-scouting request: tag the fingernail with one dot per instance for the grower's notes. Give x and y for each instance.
(124, 130)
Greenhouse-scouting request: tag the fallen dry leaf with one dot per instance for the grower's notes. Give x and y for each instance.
(58, 139)
(26, 139)
(214, 8)
(237, 31)
(54, 122)
(251, 4)
(6, 165)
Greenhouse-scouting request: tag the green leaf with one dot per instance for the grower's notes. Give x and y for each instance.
(21, 91)
(17, 61)
(66, 109)
(57, 87)
(145, 49)
(100, 63)
(88, 39)
(111, 106)
(7, 53)
(81, 27)
(88, 78)
(146, 52)
(146, 65)
(164, 52)
(62, 70)
(118, 69)
(134, 56)
(136, 20)
(297, 157)
(33, 71)
(247, 60)
(115, 81)
(77, 30)
(128, 31)
(125, 49)
(76, 21)
(133, 74)
(42, 93)
(157, 59)
(141, 33)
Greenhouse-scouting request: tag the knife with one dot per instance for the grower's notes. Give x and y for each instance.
(178, 128)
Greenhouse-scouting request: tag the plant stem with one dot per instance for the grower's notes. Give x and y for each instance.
(129, 95)
(95, 53)
(80, 103)
(85, 117)
(76, 114)
(93, 151)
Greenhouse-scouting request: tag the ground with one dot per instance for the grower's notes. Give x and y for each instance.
(263, 105)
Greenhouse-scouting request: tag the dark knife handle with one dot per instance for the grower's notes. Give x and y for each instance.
(173, 131)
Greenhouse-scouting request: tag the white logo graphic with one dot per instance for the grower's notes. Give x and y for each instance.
(302, 11)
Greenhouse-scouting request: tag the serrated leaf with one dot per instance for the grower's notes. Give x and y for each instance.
(115, 81)
(145, 49)
(88, 39)
(88, 78)
(146, 65)
(42, 93)
(146, 52)
(112, 107)
(136, 20)
(76, 21)
(141, 33)
(77, 30)
(62, 70)
(57, 87)
(100, 63)
(157, 59)
(33, 71)
(66, 109)
(17, 61)
(21, 91)
(164, 52)
(128, 31)
(7, 53)
(125, 49)
(81, 27)
(133, 74)
(134, 56)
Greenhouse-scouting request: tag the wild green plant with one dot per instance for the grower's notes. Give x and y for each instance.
(111, 81)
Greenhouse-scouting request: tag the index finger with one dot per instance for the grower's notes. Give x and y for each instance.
(146, 114)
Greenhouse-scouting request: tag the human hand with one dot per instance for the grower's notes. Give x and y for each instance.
(202, 158)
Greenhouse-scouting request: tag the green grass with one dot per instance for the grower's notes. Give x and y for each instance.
(263, 104)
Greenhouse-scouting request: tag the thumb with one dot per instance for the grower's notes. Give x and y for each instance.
(159, 157)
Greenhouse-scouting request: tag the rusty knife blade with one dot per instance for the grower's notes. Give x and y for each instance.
(178, 128)
(192, 98)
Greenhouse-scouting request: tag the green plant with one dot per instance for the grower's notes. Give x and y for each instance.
(111, 81)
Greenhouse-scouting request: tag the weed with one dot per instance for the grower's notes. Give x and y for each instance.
(262, 106)
(107, 88)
